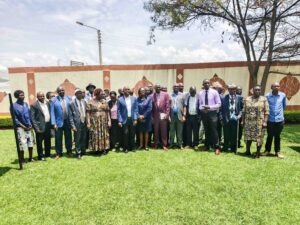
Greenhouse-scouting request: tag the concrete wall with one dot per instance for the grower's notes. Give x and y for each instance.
(34, 79)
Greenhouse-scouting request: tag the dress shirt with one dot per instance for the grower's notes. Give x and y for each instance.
(45, 110)
(277, 104)
(128, 105)
(192, 105)
(114, 112)
(22, 113)
(174, 105)
(82, 104)
(214, 100)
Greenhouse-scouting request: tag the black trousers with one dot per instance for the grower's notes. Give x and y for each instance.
(46, 138)
(80, 138)
(66, 131)
(128, 133)
(115, 134)
(210, 122)
(240, 132)
(274, 130)
(192, 128)
(231, 135)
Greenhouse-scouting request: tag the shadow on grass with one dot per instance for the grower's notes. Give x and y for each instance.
(295, 148)
(4, 170)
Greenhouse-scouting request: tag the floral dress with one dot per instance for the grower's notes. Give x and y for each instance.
(99, 130)
(255, 110)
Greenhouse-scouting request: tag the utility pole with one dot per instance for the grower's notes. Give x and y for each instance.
(99, 45)
(99, 39)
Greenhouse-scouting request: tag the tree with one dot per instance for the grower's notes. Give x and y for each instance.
(269, 30)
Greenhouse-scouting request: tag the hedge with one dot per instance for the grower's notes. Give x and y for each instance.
(291, 117)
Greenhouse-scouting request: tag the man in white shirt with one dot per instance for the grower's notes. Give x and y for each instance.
(127, 118)
(40, 116)
(191, 111)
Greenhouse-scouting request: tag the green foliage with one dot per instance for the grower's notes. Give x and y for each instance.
(292, 117)
(5, 122)
(155, 187)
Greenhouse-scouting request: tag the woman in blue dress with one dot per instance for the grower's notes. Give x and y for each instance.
(144, 118)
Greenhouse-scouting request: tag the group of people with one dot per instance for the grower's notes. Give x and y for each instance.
(102, 120)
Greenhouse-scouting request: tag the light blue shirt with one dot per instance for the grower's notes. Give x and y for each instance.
(277, 104)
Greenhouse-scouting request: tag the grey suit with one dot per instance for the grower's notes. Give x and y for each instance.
(42, 129)
(80, 126)
(176, 125)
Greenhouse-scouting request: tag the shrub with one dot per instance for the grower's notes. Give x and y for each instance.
(292, 117)
(5, 122)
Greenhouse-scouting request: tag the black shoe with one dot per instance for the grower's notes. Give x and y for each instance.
(104, 152)
(125, 151)
(42, 159)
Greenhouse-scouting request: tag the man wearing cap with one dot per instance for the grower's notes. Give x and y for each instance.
(231, 110)
(90, 92)
(78, 122)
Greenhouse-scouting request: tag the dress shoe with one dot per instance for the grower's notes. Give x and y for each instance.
(165, 148)
(57, 157)
(42, 159)
(217, 152)
(31, 160)
(279, 155)
(248, 153)
(257, 156)
(181, 147)
(266, 153)
(79, 157)
(126, 151)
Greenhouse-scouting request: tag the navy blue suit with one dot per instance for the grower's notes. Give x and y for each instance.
(231, 121)
(63, 124)
(128, 130)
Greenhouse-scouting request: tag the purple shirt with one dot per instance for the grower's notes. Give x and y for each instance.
(214, 100)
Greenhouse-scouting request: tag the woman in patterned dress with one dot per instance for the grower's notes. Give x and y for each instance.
(255, 117)
(98, 122)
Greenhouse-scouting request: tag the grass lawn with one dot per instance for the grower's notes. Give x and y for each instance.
(177, 187)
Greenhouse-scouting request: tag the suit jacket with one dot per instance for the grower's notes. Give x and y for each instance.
(38, 117)
(163, 107)
(57, 115)
(74, 110)
(180, 104)
(225, 107)
(122, 109)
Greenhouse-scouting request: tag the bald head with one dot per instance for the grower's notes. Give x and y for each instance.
(275, 88)
(40, 96)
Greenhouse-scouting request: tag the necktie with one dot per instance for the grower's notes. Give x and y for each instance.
(232, 100)
(63, 104)
(206, 97)
(81, 112)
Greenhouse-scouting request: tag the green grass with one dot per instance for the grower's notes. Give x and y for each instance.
(177, 187)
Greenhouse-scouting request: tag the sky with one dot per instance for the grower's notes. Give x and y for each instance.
(45, 33)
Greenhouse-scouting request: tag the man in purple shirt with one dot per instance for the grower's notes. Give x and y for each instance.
(209, 104)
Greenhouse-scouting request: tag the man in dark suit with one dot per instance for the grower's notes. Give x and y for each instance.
(161, 113)
(127, 118)
(231, 109)
(60, 120)
(191, 110)
(40, 117)
(78, 122)
(239, 91)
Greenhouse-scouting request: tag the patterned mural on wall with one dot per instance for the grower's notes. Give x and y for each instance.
(69, 87)
(217, 81)
(2, 96)
(289, 85)
(142, 83)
